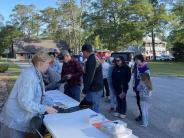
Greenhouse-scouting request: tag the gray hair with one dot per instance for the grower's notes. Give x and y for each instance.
(41, 56)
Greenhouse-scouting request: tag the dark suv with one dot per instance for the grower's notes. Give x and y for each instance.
(128, 56)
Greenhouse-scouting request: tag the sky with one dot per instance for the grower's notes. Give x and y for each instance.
(6, 6)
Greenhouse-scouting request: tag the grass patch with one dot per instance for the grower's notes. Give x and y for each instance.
(167, 68)
(14, 68)
(2, 60)
(12, 73)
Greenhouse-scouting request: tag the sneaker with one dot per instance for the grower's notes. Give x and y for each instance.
(138, 119)
(116, 114)
(122, 116)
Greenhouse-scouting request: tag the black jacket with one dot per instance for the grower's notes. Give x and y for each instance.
(120, 78)
(93, 79)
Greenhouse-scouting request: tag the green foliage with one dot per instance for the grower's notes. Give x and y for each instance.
(3, 68)
(176, 38)
(27, 19)
(178, 51)
(112, 24)
(70, 27)
(97, 43)
(119, 23)
(7, 34)
(50, 17)
(177, 25)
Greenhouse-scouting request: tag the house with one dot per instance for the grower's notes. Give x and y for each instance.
(160, 47)
(24, 50)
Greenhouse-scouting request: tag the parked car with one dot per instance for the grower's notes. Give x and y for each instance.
(128, 56)
(164, 58)
(168, 58)
(159, 58)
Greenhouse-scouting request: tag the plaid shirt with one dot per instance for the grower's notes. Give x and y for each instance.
(74, 68)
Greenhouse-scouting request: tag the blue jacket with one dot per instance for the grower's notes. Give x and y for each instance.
(24, 102)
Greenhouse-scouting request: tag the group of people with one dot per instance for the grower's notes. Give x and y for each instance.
(119, 76)
(90, 80)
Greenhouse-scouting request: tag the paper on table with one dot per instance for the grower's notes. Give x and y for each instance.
(59, 97)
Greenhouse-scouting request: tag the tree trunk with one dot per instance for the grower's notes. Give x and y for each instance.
(153, 44)
(152, 31)
(80, 23)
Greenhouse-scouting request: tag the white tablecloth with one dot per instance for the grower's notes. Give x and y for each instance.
(72, 125)
(59, 97)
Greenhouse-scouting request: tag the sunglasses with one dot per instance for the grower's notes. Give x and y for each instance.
(117, 60)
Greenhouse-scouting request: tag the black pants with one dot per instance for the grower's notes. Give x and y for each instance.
(122, 105)
(106, 87)
(138, 103)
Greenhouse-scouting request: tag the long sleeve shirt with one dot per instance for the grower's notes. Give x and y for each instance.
(56, 66)
(93, 78)
(143, 90)
(24, 102)
(120, 78)
(105, 70)
(74, 68)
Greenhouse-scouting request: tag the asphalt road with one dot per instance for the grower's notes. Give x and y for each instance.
(166, 111)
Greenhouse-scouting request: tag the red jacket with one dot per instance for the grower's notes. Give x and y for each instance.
(74, 68)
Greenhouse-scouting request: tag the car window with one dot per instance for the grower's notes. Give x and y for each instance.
(127, 56)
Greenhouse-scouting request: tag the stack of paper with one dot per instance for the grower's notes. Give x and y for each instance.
(116, 129)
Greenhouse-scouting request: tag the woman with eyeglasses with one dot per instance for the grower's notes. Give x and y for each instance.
(121, 76)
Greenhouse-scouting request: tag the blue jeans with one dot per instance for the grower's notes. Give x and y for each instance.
(145, 110)
(112, 95)
(95, 98)
(74, 92)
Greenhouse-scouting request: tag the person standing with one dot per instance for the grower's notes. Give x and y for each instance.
(145, 90)
(93, 78)
(26, 100)
(112, 91)
(73, 72)
(121, 76)
(105, 71)
(55, 65)
(51, 77)
(140, 66)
